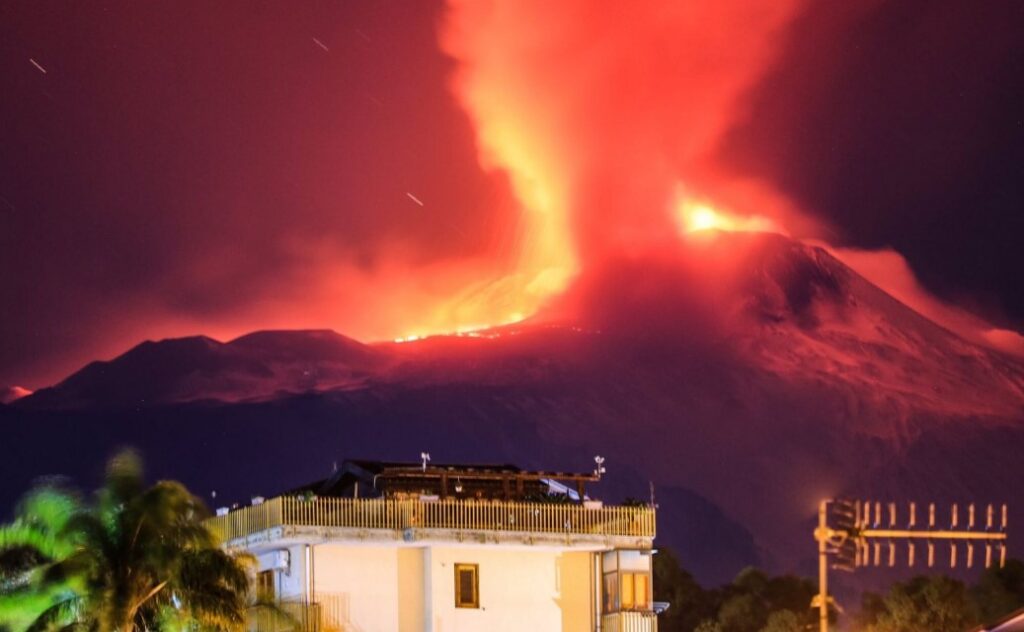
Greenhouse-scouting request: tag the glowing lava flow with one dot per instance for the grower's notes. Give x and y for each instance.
(698, 216)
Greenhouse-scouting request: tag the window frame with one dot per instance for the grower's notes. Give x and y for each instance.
(615, 578)
(461, 567)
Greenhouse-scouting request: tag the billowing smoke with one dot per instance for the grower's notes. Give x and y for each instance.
(609, 117)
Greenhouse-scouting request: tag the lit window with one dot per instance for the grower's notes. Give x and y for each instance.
(467, 586)
(627, 581)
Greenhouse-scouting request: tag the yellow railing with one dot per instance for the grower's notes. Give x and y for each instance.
(329, 613)
(447, 514)
(293, 616)
(630, 622)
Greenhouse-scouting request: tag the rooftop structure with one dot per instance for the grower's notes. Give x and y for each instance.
(410, 546)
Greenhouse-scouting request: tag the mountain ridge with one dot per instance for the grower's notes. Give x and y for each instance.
(751, 373)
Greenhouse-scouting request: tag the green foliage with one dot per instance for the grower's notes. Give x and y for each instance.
(939, 603)
(751, 603)
(757, 602)
(753, 598)
(629, 501)
(1000, 591)
(936, 604)
(784, 621)
(691, 604)
(136, 558)
(548, 499)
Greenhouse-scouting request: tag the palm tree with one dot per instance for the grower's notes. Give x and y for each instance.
(136, 559)
(33, 539)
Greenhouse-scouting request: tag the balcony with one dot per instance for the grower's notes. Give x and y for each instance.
(630, 622)
(463, 515)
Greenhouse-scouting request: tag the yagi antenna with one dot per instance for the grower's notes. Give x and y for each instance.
(851, 534)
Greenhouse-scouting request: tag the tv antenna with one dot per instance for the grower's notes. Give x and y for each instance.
(853, 533)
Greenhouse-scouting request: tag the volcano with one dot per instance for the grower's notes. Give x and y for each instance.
(739, 380)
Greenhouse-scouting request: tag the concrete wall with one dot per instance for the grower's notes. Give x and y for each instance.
(533, 590)
(387, 588)
(411, 599)
(360, 587)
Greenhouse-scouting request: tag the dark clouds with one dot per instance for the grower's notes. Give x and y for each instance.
(903, 125)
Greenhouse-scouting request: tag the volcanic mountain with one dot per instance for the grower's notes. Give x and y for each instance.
(259, 365)
(741, 378)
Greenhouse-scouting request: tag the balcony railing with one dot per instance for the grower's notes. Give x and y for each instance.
(404, 514)
(293, 616)
(630, 622)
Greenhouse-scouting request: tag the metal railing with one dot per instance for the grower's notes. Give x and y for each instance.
(294, 616)
(441, 514)
(630, 622)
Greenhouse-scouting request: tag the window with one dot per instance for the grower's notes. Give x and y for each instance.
(627, 581)
(635, 595)
(265, 586)
(467, 586)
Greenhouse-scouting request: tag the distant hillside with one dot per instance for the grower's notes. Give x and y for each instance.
(255, 366)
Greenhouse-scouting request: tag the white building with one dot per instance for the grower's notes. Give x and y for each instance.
(390, 547)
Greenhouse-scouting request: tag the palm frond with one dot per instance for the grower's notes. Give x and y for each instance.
(61, 613)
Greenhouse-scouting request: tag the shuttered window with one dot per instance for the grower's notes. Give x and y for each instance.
(467, 586)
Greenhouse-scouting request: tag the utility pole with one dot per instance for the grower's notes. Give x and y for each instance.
(853, 535)
(822, 566)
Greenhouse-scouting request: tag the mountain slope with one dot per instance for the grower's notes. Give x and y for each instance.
(746, 376)
(254, 366)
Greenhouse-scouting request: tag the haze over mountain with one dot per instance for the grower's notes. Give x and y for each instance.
(746, 376)
(10, 393)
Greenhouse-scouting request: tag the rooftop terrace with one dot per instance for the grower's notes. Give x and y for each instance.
(408, 518)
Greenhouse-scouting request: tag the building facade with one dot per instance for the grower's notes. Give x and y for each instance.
(391, 547)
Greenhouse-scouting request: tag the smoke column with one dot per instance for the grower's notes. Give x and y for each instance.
(606, 114)
(608, 117)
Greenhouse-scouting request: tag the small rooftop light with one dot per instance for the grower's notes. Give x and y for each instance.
(257, 500)
(426, 459)
(599, 469)
(222, 511)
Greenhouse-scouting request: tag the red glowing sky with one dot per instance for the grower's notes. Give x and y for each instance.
(407, 168)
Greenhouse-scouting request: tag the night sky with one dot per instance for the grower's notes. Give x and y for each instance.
(178, 168)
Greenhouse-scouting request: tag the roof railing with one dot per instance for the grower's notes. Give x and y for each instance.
(402, 514)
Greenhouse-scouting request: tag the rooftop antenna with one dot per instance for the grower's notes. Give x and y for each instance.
(599, 468)
(426, 459)
(850, 535)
